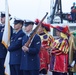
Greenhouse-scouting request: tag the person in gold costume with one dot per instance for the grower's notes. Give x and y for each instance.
(59, 51)
(72, 53)
(46, 41)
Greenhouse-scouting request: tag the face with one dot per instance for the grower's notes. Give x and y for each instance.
(40, 30)
(57, 33)
(28, 28)
(17, 26)
(3, 20)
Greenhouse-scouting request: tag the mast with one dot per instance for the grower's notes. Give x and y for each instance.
(55, 10)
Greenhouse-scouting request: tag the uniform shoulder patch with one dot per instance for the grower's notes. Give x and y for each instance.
(19, 38)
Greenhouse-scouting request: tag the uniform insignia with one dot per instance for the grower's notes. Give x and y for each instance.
(19, 38)
(37, 42)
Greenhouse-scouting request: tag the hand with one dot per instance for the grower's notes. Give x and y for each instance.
(48, 66)
(24, 48)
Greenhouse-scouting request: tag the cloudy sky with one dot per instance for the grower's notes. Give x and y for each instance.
(32, 9)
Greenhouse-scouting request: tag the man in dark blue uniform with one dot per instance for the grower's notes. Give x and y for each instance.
(30, 63)
(15, 48)
(3, 50)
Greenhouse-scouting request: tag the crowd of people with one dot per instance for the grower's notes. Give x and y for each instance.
(43, 53)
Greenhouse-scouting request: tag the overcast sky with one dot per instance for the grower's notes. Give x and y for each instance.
(32, 9)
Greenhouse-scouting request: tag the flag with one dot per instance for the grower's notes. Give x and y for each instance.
(6, 33)
(6, 64)
(6, 38)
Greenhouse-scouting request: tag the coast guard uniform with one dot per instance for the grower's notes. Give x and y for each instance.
(3, 50)
(15, 52)
(15, 49)
(30, 60)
